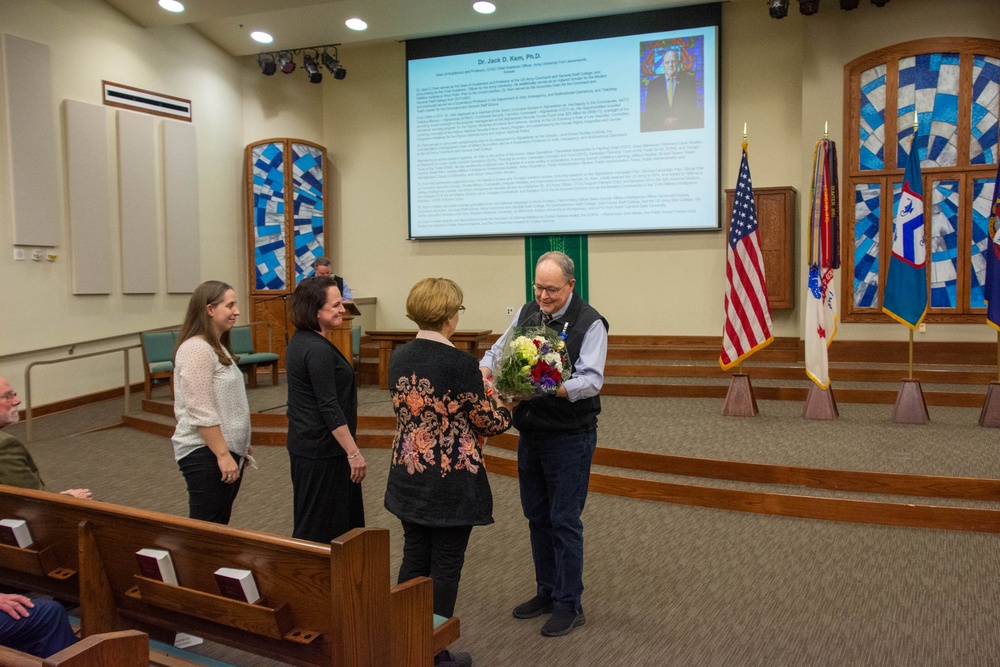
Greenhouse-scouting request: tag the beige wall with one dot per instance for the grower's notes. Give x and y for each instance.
(782, 78)
(89, 42)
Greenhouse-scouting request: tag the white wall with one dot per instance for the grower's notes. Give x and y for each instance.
(90, 41)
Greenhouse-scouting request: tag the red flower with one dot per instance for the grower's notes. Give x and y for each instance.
(541, 368)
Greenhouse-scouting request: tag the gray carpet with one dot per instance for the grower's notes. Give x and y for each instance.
(666, 585)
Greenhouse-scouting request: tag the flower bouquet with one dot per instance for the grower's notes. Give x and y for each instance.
(534, 362)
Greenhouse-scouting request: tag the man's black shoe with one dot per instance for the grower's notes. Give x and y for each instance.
(562, 622)
(536, 606)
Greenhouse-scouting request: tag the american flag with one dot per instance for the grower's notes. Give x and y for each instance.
(748, 316)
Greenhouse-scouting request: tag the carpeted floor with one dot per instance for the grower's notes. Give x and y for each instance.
(666, 585)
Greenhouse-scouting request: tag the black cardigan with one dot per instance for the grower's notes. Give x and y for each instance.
(437, 476)
(322, 395)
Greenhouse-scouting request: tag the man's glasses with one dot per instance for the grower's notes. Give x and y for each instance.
(551, 291)
(9, 396)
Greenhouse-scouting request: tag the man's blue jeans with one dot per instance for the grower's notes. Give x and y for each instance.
(554, 471)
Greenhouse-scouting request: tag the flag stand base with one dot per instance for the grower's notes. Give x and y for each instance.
(910, 407)
(739, 399)
(989, 417)
(820, 404)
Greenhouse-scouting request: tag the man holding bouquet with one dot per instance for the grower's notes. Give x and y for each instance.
(558, 434)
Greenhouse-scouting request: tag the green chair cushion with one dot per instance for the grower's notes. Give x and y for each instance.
(241, 340)
(162, 367)
(257, 358)
(159, 346)
(438, 620)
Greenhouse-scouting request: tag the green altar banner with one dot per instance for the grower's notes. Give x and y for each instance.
(574, 245)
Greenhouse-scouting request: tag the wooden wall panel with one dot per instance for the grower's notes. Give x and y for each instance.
(776, 224)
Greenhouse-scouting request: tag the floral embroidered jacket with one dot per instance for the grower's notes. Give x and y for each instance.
(437, 476)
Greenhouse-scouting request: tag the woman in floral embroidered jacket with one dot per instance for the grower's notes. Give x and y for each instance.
(437, 483)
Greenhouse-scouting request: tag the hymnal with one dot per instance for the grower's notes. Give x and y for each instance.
(156, 564)
(15, 533)
(237, 584)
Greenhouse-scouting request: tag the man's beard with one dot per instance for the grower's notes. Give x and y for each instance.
(11, 418)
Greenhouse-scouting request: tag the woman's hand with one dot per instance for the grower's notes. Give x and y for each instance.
(230, 471)
(358, 467)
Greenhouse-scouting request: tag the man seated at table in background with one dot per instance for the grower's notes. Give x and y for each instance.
(323, 267)
(17, 468)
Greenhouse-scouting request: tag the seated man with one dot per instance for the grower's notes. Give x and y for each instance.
(42, 631)
(323, 267)
(17, 468)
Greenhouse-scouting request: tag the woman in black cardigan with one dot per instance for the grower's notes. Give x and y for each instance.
(327, 466)
(437, 483)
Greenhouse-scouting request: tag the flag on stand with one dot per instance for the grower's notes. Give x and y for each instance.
(822, 307)
(748, 315)
(993, 260)
(905, 297)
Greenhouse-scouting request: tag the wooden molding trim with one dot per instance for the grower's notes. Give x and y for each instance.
(805, 507)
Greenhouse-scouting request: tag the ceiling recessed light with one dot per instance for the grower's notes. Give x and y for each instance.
(484, 7)
(172, 5)
(356, 24)
(262, 37)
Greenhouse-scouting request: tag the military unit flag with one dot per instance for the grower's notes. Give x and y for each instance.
(822, 308)
(993, 260)
(905, 298)
(748, 315)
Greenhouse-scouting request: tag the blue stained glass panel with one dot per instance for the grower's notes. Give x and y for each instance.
(308, 213)
(269, 216)
(867, 210)
(982, 201)
(928, 83)
(871, 149)
(985, 109)
(944, 244)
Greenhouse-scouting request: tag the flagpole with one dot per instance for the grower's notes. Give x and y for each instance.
(739, 366)
(911, 354)
(998, 356)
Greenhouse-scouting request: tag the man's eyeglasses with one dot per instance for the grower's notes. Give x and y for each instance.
(551, 291)
(9, 396)
(461, 309)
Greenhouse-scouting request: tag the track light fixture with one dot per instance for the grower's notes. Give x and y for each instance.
(332, 63)
(267, 65)
(312, 58)
(778, 8)
(286, 62)
(309, 65)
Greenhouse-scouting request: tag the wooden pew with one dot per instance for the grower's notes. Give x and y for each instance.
(323, 605)
(129, 648)
(473, 342)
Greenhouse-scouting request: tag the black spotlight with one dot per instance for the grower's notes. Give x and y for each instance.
(778, 8)
(880, 3)
(309, 64)
(267, 65)
(808, 7)
(849, 4)
(332, 64)
(285, 62)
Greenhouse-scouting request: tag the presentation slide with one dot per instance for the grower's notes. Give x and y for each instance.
(610, 135)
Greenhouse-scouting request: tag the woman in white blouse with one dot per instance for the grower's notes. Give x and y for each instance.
(212, 438)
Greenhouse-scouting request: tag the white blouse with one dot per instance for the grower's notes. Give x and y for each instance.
(207, 393)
